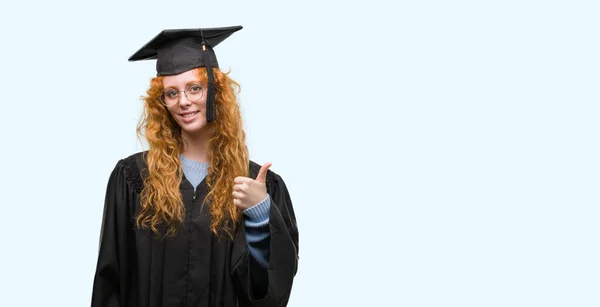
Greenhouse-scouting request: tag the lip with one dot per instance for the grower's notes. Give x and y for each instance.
(188, 119)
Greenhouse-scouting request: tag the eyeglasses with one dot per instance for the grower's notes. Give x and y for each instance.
(193, 92)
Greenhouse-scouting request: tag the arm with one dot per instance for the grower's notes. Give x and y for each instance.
(112, 268)
(258, 238)
(256, 222)
(283, 258)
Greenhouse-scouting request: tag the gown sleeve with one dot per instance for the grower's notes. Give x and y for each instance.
(283, 259)
(112, 269)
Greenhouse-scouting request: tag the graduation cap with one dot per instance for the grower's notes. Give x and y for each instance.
(179, 50)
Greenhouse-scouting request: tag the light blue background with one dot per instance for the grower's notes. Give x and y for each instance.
(438, 153)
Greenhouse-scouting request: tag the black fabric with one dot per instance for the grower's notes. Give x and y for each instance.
(179, 50)
(210, 97)
(195, 268)
(132, 172)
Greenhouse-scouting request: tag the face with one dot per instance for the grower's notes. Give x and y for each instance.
(189, 112)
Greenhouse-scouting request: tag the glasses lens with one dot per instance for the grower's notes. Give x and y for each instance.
(194, 92)
(169, 96)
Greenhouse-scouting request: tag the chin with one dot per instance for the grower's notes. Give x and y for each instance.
(193, 128)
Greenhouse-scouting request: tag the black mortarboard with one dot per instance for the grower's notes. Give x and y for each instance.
(179, 50)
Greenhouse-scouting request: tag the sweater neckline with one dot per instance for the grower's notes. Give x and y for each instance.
(193, 164)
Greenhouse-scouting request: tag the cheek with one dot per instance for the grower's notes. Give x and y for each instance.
(203, 103)
(173, 113)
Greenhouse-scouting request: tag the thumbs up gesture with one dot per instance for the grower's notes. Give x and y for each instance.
(248, 192)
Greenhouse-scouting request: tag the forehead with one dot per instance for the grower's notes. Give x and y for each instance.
(180, 80)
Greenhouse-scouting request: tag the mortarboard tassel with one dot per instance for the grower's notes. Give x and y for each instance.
(210, 98)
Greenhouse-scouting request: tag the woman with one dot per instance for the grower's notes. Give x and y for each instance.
(192, 221)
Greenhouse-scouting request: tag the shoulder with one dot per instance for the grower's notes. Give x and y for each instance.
(130, 167)
(136, 161)
(138, 156)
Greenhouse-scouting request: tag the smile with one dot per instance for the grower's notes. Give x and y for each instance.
(189, 115)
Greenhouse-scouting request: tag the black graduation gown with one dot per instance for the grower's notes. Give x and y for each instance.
(138, 269)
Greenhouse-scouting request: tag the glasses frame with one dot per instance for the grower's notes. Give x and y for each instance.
(185, 92)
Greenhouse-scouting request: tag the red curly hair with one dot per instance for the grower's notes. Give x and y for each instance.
(161, 200)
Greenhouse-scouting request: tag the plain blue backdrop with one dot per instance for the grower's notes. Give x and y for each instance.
(438, 153)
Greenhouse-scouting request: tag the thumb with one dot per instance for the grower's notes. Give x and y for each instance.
(262, 174)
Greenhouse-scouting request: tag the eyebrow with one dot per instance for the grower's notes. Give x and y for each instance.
(186, 85)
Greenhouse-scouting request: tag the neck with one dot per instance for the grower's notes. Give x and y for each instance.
(195, 145)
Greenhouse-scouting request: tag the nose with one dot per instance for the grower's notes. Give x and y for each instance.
(183, 100)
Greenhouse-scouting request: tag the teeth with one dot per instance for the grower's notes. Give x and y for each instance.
(190, 114)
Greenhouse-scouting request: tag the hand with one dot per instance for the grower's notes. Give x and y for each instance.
(248, 192)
